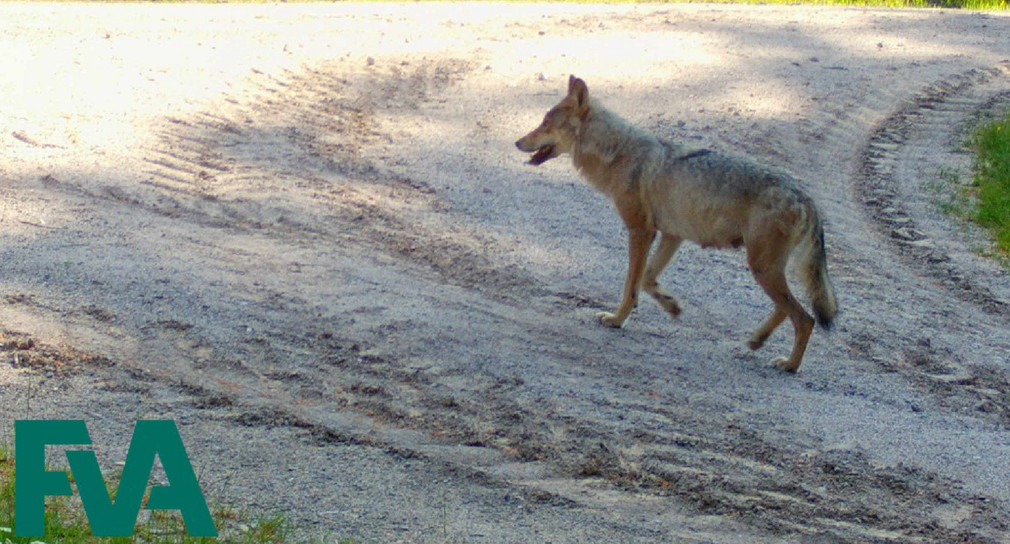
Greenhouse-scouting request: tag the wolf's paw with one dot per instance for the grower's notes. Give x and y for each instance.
(784, 364)
(668, 303)
(756, 342)
(609, 320)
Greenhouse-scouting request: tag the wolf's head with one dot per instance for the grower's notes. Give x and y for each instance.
(557, 133)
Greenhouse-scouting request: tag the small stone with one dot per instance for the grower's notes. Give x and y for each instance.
(907, 233)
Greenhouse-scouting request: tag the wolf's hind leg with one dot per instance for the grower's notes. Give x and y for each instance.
(767, 254)
(766, 330)
(668, 245)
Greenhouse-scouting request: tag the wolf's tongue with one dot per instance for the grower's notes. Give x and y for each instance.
(542, 155)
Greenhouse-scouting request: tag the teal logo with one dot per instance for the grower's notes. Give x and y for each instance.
(107, 517)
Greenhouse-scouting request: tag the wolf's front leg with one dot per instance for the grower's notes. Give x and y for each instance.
(639, 242)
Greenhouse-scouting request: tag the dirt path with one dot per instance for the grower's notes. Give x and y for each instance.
(303, 233)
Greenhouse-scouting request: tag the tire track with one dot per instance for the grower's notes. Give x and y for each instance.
(894, 155)
(303, 153)
(900, 186)
(705, 461)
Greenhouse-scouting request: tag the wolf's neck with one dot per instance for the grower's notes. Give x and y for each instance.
(604, 140)
(604, 136)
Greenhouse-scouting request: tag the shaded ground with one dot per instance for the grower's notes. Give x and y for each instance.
(303, 233)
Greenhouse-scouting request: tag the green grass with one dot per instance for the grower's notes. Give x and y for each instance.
(67, 524)
(956, 4)
(991, 187)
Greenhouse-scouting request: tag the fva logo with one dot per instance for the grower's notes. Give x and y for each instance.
(107, 517)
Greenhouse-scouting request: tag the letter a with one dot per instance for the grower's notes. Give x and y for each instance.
(184, 492)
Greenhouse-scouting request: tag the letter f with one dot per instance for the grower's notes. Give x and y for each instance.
(32, 482)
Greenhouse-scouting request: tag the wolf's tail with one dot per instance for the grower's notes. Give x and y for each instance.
(814, 270)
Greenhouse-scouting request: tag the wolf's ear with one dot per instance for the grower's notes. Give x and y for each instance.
(578, 89)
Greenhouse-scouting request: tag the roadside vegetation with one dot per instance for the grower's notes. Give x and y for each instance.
(991, 186)
(67, 524)
(951, 4)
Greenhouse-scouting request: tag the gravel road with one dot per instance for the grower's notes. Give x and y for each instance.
(303, 233)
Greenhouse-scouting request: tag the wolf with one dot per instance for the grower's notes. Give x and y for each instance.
(682, 193)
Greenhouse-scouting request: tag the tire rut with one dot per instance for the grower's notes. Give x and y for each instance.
(303, 154)
(901, 187)
(909, 136)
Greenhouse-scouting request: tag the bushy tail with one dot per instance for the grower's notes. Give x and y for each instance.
(814, 270)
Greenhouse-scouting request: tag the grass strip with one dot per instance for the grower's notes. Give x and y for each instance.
(991, 186)
(950, 4)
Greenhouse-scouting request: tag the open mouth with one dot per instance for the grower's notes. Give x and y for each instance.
(542, 155)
